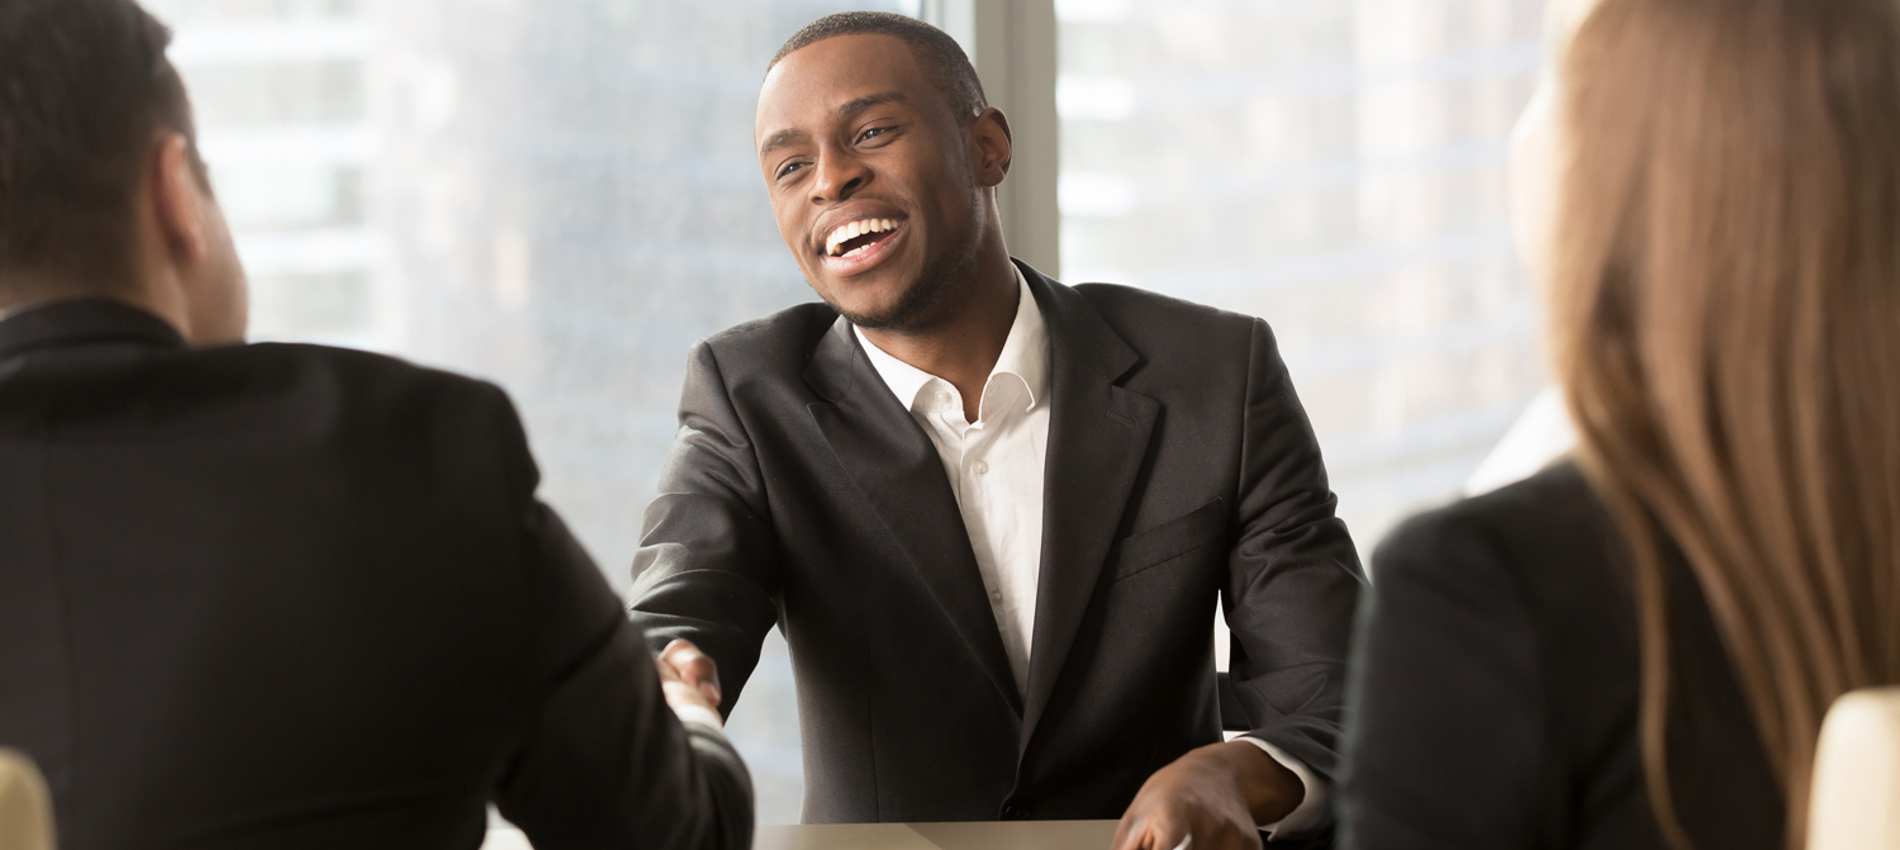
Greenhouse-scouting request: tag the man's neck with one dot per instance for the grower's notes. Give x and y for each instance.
(964, 347)
(21, 291)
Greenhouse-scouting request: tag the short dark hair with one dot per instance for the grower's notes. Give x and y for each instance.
(942, 59)
(84, 89)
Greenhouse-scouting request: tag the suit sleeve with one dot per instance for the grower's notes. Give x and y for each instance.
(1448, 725)
(707, 568)
(600, 759)
(1294, 577)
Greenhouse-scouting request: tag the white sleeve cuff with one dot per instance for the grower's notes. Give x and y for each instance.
(1312, 812)
(707, 717)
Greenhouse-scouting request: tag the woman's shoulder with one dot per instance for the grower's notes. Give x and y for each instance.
(1557, 497)
(1546, 541)
(1486, 670)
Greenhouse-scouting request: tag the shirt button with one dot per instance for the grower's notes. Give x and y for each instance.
(943, 398)
(980, 468)
(996, 596)
(1016, 810)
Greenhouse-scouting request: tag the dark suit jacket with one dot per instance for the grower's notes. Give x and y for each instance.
(1494, 691)
(287, 596)
(1180, 469)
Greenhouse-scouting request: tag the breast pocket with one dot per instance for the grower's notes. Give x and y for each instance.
(1160, 544)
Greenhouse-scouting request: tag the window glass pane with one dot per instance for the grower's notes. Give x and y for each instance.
(557, 196)
(1337, 168)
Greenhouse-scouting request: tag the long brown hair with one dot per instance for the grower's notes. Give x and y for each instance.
(1725, 293)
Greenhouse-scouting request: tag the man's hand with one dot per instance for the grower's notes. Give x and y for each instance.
(1215, 795)
(689, 679)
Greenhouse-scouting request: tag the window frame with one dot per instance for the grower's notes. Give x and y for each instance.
(1012, 43)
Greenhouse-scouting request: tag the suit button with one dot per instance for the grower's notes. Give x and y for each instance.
(1015, 810)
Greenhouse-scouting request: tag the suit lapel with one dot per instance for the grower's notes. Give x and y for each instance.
(896, 467)
(1098, 438)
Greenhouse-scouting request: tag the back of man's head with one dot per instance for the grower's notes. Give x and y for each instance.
(85, 89)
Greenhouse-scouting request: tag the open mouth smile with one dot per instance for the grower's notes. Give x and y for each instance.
(858, 243)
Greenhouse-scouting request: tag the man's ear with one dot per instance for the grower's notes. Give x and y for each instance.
(177, 198)
(990, 147)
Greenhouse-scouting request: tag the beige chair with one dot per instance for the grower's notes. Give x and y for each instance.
(26, 809)
(1854, 803)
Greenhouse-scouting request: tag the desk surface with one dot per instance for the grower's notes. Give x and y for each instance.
(982, 835)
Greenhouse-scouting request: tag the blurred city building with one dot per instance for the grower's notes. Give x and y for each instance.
(1337, 168)
(562, 197)
(279, 87)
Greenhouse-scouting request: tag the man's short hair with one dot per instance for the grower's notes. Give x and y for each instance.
(942, 59)
(84, 90)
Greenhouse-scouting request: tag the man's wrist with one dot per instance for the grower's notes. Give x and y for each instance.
(1270, 789)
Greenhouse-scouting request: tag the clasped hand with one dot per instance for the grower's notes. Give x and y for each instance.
(688, 677)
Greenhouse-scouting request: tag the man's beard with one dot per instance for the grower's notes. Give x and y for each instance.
(923, 304)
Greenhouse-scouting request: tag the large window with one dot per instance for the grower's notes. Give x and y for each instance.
(1337, 168)
(562, 197)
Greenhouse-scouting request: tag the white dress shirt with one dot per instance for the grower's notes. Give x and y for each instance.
(995, 466)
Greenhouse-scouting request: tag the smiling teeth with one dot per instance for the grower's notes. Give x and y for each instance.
(852, 230)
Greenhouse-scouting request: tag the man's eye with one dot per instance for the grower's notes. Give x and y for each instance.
(872, 133)
(787, 169)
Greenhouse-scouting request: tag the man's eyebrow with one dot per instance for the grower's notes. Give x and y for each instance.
(870, 100)
(790, 136)
(781, 139)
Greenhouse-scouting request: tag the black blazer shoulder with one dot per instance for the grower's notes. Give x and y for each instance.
(147, 383)
(1494, 689)
(1141, 314)
(1545, 540)
(794, 329)
(772, 351)
(1195, 342)
(317, 604)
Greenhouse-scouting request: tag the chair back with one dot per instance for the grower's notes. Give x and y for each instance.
(26, 808)
(1854, 801)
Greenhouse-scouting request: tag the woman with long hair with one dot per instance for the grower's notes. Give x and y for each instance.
(1636, 648)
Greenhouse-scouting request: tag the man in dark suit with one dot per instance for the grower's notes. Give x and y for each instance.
(279, 596)
(992, 513)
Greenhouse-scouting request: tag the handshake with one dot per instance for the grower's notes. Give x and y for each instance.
(690, 681)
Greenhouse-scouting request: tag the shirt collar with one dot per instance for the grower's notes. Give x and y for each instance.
(1025, 354)
(82, 321)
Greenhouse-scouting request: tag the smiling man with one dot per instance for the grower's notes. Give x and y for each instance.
(992, 513)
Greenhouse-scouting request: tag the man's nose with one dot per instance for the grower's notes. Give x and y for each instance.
(839, 177)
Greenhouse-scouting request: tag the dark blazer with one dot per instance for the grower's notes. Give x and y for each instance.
(287, 596)
(1494, 691)
(1180, 469)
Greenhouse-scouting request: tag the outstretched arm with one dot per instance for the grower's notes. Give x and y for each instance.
(707, 569)
(593, 756)
(605, 761)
